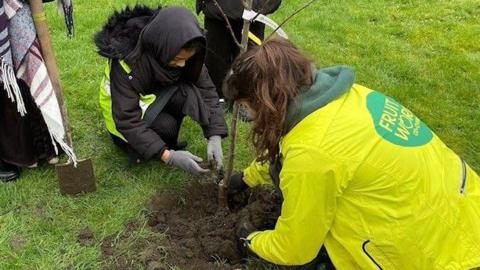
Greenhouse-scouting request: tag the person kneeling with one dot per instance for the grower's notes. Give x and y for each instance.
(358, 172)
(155, 76)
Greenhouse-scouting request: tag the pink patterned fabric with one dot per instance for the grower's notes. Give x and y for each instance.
(30, 67)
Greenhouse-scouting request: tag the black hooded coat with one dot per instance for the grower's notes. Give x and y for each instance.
(148, 40)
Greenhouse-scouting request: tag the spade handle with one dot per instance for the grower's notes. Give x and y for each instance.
(40, 20)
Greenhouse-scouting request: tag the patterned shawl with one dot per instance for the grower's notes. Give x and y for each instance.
(6, 62)
(30, 67)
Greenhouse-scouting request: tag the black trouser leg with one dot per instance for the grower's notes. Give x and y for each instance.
(168, 128)
(221, 50)
(168, 122)
(321, 262)
(166, 125)
(258, 29)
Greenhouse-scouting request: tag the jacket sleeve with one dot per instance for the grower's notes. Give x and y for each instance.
(257, 174)
(266, 6)
(127, 116)
(217, 124)
(310, 192)
(234, 9)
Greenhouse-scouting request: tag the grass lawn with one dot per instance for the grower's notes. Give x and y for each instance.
(424, 53)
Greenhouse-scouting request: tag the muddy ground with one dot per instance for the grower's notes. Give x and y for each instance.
(202, 236)
(191, 232)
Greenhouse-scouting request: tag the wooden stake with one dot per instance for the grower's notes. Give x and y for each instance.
(40, 20)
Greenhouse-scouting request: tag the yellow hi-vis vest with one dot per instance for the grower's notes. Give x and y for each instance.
(105, 99)
(370, 181)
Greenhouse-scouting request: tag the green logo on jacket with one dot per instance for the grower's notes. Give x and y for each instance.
(396, 123)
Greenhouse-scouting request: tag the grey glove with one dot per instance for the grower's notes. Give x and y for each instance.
(214, 151)
(186, 161)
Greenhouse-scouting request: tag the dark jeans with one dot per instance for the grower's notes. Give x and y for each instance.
(321, 262)
(222, 50)
(166, 125)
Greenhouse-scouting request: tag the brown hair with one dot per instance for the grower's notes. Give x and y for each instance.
(268, 78)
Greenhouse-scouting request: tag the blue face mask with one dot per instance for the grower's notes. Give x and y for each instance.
(246, 113)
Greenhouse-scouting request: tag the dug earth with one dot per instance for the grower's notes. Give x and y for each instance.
(199, 235)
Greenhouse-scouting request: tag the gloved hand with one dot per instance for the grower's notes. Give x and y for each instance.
(236, 185)
(243, 230)
(186, 161)
(237, 192)
(214, 151)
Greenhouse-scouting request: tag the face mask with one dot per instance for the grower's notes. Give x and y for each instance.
(246, 112)
(173, 71)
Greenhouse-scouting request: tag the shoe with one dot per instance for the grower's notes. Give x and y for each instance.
(53, 161)
(8, 172)
(33, 166)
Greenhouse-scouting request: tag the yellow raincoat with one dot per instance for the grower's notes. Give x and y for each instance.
(365, 177)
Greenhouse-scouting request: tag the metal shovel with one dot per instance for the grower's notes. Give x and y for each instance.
(72, 180)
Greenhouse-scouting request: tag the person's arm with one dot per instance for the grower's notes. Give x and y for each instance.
(311, 183)
(257, 174)
(127, 116)
(217, 125)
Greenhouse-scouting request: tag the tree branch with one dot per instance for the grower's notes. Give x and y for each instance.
(222, 191)
(229, 26)
(290, 17)
(223, 185)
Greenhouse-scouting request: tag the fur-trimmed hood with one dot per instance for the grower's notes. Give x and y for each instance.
(119, 35)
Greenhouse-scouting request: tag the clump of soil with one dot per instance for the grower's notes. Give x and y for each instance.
(202, 236)
(18, 243)
(186, 228)
(85, 237)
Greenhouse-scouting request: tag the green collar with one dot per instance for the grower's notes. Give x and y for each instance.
(329, 84)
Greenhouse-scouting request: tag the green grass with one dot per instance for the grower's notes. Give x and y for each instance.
(424, 53)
